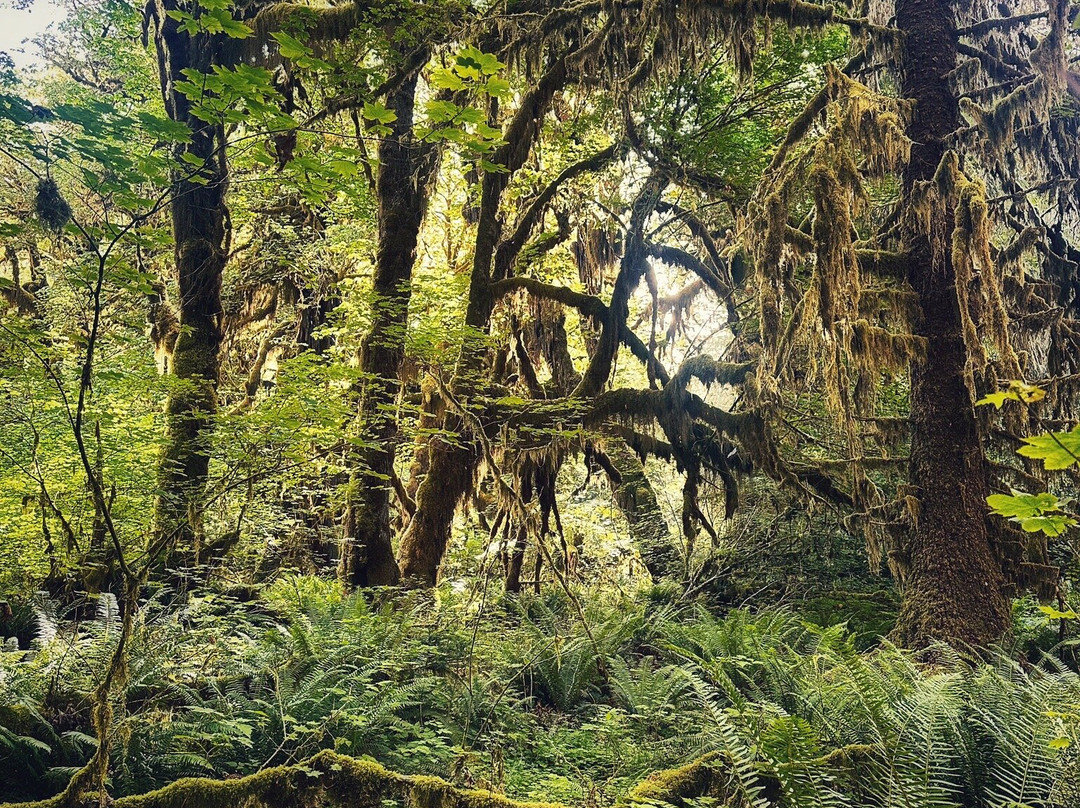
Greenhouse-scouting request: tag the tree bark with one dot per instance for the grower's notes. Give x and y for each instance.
(954, 591)
(636, 499)
(200, 233)
(405, 170)
(452, 465)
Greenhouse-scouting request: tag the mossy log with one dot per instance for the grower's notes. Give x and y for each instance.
(328, 778)
(332, 779)
(710, 776)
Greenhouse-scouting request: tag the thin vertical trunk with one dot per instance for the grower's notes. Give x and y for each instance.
(516, 561)
(200, 233)
(636, 499)
(954, 589)
(405, 169)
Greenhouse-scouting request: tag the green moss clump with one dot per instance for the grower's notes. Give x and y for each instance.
(696, 779)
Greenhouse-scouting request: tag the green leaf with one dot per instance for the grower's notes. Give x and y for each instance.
(997, 399)
(1016, 391)
(441, 111)
(232, 28)
(444, 79)
(1021, 505)
(289, 47)
(1035, 513)
(1057, 450)
(376, 111)
(164, 128)
(471, 115)
(489, 132)
(343, 167)
(1051, 525)
(492, 168)
(1054, 614)
(497, 88)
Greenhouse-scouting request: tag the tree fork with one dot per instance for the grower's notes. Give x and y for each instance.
(452, 466)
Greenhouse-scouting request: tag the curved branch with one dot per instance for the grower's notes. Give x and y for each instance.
(676, 256)
(510, 247)
(589, 305)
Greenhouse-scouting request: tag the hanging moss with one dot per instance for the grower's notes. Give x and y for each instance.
(884, 350)
(50, 205)
(1032, 101)
(984, 318)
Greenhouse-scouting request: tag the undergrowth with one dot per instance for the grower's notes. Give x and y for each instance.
(532, 697)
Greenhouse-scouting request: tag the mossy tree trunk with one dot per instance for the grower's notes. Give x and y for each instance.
(955, 588)
(200, 232)
(405, 170)
(635, 497)
(452, 465)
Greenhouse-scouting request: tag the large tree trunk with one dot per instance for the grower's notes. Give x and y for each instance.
(954, 590)
(401, 186)
(199, 219)
(453, 466)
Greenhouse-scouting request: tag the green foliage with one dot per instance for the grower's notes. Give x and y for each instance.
(1057, 450)
(471, 75)
(519, 698)
(1037, 513)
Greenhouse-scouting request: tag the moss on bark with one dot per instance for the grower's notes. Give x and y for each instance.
(330, 778)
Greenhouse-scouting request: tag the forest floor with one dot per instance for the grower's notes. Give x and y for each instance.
(541, 697)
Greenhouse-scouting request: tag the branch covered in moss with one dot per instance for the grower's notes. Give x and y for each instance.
(509, 248)
(588, 305)
(710, 371)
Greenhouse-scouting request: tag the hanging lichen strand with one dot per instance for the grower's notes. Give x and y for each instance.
(622, 45)
(1020, 100)
(837, 314)
(816, 334)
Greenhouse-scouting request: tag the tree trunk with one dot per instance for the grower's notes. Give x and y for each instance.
(452, 466)
(515, 561)
(636, 499)
(405, 170)
(199, 219)
(954, 591)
